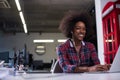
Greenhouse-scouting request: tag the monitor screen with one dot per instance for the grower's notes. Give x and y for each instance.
(4, 56)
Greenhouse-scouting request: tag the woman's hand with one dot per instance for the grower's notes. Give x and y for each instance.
(108, 66)
(99, 68)
(93, 68)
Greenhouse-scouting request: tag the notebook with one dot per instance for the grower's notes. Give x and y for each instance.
(115, 66)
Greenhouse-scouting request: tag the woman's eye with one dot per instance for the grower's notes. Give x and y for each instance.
(83, 29)
(77, 28)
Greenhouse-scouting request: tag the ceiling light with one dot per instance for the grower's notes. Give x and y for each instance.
(23, 21)
(18, 5)
(61, 40)
(25, 28)
(40, 51)
(40, 46)
(22, 17)
(43, 41)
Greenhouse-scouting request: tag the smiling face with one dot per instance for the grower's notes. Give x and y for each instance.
(79, 31)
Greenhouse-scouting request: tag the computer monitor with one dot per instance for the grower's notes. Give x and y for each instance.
(4, 56)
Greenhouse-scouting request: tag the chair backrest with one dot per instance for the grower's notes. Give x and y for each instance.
(53, 63)
(2, 63)
(56, 68)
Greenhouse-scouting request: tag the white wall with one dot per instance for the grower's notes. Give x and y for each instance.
(99, 30)
(10, 41)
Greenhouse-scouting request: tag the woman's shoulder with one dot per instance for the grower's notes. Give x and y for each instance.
(64, 45)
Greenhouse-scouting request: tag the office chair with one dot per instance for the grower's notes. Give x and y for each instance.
(56, 68)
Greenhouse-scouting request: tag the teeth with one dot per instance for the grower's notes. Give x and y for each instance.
(81, 35)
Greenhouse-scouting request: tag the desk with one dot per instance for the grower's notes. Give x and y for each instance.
(66, 76)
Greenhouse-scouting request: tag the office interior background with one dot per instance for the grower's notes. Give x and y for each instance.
(41, 18)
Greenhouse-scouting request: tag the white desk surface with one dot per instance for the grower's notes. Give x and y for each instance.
(65, 76)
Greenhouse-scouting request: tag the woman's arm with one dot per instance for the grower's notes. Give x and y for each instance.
(92, 68)
(63, 60)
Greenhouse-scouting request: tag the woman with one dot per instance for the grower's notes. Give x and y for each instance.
(76, 55)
